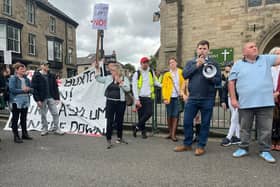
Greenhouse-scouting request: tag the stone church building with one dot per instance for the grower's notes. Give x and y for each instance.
(226, 24)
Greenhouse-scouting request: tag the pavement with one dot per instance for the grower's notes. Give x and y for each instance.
(73, 160)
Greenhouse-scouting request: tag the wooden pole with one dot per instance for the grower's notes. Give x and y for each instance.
(97, 50)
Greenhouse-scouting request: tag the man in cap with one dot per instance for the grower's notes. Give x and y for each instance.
(46, 95)
(143, 82)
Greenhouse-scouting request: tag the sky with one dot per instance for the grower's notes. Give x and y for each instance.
(131, 31)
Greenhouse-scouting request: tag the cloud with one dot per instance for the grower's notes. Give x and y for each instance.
(131, 32)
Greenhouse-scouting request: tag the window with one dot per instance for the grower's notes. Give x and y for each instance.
(54, 51)
(7, 7)
(52, 24)
(70, 56)
(253, 3)
(32, 44)
(13, 37)
(272, 1)
(3, 37)
(71, 73)
(30, 11)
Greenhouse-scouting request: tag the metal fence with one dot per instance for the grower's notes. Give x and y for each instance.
(220, 118)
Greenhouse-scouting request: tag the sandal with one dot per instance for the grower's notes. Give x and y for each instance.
(168, 137)
(174, 139)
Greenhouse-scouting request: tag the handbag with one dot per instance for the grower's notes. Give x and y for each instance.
(129, 99)
(181, 102)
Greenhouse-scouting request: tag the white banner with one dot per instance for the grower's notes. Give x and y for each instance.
(82, 107)
(100, 15)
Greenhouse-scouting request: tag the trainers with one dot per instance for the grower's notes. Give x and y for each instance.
(240, 153)
(235, 140)
(267, 157)
(44, 133)
(226, 142)
(59, 132)
(121, 141)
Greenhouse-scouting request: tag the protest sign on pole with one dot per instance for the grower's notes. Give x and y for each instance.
(100, 16)
(7, 57)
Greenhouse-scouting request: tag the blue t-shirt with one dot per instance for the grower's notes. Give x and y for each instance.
(254, 82)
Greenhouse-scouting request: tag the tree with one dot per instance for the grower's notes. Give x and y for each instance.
(129, 67)
(153, 62)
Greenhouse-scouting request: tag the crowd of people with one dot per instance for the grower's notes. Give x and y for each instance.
(251, 90)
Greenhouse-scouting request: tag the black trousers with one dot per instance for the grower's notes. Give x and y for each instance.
(145, 112)
(114, 114)
(16, 114)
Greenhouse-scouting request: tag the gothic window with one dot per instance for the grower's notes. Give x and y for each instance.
(254, 3)
(272, 1)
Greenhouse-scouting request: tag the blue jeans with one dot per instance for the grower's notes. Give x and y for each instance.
(205, 106)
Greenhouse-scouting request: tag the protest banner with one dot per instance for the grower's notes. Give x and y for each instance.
(81, 110)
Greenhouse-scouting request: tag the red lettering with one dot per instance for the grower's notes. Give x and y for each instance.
(100, 22)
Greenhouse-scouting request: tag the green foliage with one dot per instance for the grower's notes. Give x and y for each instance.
(153, 62)
(129, 67)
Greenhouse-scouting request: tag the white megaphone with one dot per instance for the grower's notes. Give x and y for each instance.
(209, 70)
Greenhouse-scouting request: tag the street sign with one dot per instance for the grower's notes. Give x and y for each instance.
(100, 15)
(222, 55)
(7, 57)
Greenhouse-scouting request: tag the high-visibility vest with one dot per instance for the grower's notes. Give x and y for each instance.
(151, 82)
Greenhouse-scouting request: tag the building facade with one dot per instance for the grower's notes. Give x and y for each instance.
(35, 31)
(227, 25)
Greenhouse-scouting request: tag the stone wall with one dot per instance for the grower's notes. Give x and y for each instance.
(225, 24)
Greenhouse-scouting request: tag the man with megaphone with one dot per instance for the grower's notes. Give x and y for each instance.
(204, 76)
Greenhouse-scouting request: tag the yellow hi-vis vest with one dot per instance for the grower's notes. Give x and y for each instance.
(151, 82)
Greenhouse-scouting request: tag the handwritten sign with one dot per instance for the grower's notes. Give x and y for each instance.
(100, 15)
(82, 107)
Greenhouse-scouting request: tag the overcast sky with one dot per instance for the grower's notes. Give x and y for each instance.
(130, 32)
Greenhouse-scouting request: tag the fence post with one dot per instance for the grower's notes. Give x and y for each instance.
(154, 118)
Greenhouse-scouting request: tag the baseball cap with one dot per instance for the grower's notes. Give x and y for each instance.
(144, 59)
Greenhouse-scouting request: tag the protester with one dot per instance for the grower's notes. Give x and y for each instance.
(202, 92)
(276, 111)
(143, 82)
(234, 120)
(115, 85)
(251, 76)
(171, 86)
(19, 87)
(4, 84)
(46, 95)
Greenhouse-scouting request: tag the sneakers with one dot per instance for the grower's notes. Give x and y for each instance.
(44, 133)
(235, 140)
(59, 132)
(240, 153)
(121, 141)
(134, 131)
(226, 142)
(267, 157)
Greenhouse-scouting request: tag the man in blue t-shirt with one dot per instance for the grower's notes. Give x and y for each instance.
(252, 79)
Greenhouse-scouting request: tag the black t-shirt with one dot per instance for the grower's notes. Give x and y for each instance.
(113, 91)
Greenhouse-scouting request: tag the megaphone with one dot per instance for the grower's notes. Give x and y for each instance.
(209, 70)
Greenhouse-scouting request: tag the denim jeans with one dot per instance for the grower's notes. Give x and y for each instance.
(205, 106)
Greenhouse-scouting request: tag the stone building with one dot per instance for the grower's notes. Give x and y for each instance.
(35, 31)
(226, 24)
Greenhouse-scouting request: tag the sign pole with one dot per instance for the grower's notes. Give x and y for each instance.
(97, 50)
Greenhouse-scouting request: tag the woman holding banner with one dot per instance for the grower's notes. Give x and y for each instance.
(20, 89)
(115, 85)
